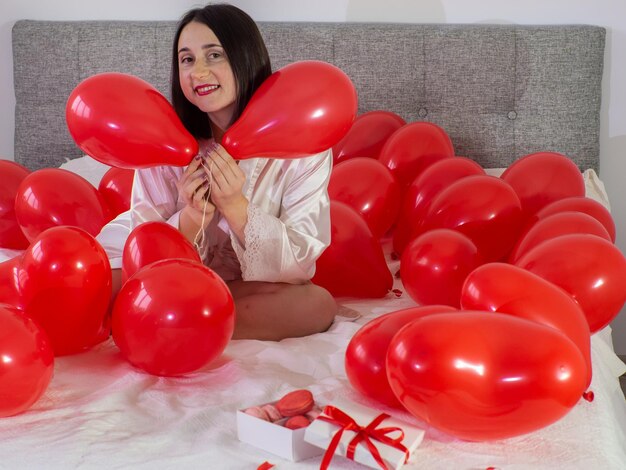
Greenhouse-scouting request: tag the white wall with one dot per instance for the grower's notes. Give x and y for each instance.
(608, 13)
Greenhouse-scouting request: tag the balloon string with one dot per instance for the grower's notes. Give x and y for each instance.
(199, 239)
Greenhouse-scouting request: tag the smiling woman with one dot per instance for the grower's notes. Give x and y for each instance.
(259, 223)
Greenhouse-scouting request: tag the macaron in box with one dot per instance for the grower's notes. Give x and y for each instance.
(278, 427)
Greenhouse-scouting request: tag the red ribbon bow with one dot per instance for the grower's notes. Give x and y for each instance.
(346, 423)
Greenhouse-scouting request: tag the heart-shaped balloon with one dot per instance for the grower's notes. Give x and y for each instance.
(52, 197)
(414, 147)
(484, 208)
(505, 288)
(116, 187)
(480, 376)
(302, 109)
(353, 265)
(173, 317)
(421, 192)
(11, 175)
(123, 121)
(9, 272)
(367, 186)
(366, 354)
(27, 361)
(589, 268)
(555, 225)
(154, 241)
(64, 282)
(367, 135)
(434, 266)
(543, 177)
(580, 204)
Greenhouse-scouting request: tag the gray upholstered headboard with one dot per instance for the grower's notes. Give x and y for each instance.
(500, 91)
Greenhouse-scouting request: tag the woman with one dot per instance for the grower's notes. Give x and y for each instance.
(259, 223)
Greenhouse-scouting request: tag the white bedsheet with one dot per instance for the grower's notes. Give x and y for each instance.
(99, 412)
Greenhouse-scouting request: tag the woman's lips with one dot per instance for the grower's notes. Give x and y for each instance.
(205, 89)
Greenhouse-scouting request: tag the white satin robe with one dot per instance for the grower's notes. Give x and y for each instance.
(288, 224)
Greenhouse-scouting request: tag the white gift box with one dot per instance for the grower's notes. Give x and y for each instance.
(320, 433)
(275, 438)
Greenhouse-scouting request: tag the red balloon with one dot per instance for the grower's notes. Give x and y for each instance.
(480, 376)
(52, 197)
(366, 353)
(423, 189)
(64, 282)
(552, 226)
(154, 241)
(412, 148)
(27, 362)
(173, 317)
(367, 135)
(11, 175)
(302, 109)
(484, 208)
(580, 204)
(116, 187)
(542, 178)
(9, 272)
(367, 186)
(434, 266)
(590, 269)
(500, 287)
(353, 265)
(123, 121)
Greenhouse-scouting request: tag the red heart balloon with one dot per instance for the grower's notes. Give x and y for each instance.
(543, 177)
(353, 265)
(552, 226)
(366, 354)
(590, 269)
(52, 197)
(11, 175)
(500, 287)
(367, 135)
(154, 241)
(173, 317)
(27, 361)
(423, 189)
(580, 204)
(302, 109)
(116, 187)
(480, 376)
(64, 282)
(412, 148)
(434, 266)
(484, 208)
(123, 121)
(367, 186)
(9, 272)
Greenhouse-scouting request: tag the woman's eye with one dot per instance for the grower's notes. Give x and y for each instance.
(186, 60)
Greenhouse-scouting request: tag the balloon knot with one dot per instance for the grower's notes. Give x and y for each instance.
(397, 292)
(589, 396)
(397, 275)
(394, 256)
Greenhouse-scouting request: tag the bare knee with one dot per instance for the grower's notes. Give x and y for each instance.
(281, 310)
(321, 305)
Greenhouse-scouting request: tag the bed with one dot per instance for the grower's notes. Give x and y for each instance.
(500, 91)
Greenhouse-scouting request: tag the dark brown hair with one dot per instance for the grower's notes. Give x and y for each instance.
(246, 52)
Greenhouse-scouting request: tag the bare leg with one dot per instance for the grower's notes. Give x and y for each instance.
(274, 311)
(116, 275)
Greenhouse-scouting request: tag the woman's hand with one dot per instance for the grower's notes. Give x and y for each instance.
(226, 181)
(193, 188)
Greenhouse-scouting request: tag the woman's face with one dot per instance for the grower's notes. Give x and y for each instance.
(206, 77)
